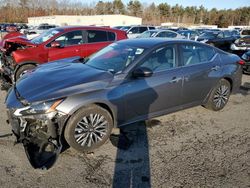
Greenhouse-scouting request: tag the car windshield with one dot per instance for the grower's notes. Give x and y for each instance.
(125, 28)
(148, 34)
(115, 57)
(45, 36)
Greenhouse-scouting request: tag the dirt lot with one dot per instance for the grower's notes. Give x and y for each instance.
(192, 148)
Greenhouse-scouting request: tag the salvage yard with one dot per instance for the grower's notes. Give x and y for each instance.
(192, 148)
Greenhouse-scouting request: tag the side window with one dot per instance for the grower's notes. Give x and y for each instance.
(142, 29)
(163, 58)
(220, 35)
(151, 28)
(70, 38)
(227, 34)
(134, 30)
(196, 54)
(111, 36)
(97, 36)
(170, 34)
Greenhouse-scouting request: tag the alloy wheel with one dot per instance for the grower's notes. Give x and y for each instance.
(91, 130)
(221, 96)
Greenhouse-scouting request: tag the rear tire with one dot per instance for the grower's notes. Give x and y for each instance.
(88, 128)
(22, 70)
(219, 96)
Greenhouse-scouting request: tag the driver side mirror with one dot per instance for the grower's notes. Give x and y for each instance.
(55, 44)
(142, 72)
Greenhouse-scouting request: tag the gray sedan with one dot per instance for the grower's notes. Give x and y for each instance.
(126, 82)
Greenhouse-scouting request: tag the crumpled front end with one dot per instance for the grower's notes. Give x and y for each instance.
(7, 62)
(40, 133)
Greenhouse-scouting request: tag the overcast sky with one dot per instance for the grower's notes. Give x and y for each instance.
(219, 4)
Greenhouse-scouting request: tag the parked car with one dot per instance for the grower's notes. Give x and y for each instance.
(245, 32)
(21, 54)
(241, 45)
(128, 81)
(160, 33)
(246, 58)
(41, 28)
(134, 31)
(7, 27)
(189, 34)
(37, 30)
(222, 40)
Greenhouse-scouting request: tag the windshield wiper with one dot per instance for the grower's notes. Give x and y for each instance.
(84, 60)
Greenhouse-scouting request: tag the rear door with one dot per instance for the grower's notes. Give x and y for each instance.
(71, 44)
(201, 70)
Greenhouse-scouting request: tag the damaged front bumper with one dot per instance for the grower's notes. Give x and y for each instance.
(40, 135)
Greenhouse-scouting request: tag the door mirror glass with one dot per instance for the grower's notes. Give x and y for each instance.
(142, 72)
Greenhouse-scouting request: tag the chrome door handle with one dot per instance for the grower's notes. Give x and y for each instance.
(215, 68)
(175, 79)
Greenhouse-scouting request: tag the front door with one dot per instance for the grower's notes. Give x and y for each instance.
(149, 96)
(71, 44)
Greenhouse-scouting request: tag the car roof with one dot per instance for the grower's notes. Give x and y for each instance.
(69, 28)
(151, 42)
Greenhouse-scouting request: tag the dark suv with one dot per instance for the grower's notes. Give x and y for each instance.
(222, 39)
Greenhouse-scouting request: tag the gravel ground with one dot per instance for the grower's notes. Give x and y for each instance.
(192, 148)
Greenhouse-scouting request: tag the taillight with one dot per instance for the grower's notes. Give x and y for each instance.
(241, 62)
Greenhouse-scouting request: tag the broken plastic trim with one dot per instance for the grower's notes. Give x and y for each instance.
(44, 155)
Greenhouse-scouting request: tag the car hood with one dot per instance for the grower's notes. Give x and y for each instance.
(20, 40)
(57, 80)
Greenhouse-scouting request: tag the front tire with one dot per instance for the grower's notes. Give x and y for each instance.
(88, 128)
(22, 70)
(219, 96)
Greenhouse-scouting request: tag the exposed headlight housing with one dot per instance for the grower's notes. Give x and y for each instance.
(38, 108)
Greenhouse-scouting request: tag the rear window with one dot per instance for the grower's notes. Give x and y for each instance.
(142, 29)
(111, 36)
(100, 36)
(245, 32)
(195, 54)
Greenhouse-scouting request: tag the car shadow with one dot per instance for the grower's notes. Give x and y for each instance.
(245, 89)
(132, 164)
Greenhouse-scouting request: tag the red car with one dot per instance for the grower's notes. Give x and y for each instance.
(20, 54)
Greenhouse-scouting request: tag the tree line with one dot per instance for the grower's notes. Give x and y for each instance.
(17, 11)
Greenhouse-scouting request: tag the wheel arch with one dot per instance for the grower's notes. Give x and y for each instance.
(23, 64)
(227, 78)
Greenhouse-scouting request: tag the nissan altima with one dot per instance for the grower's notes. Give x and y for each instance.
(81, 100)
